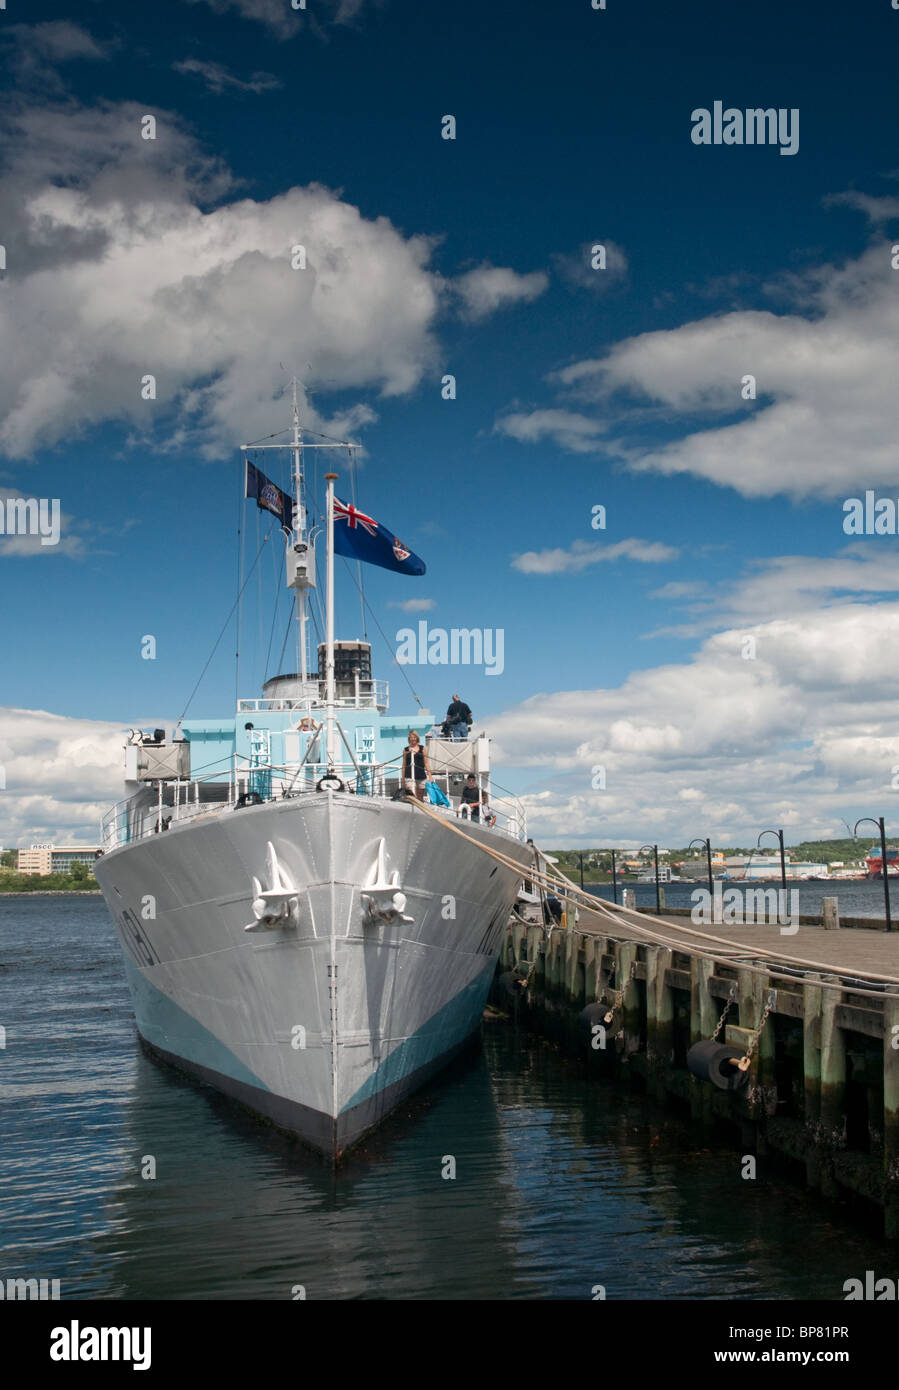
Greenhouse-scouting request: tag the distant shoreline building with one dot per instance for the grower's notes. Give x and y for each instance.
(55, 859)
(768, 867)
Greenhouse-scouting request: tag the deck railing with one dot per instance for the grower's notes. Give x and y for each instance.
(369, 694)
(144, 814)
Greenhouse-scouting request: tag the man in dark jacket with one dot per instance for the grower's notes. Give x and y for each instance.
(458, 719)
(471, 797)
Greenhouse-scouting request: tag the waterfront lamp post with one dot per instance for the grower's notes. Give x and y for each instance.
(580, 855)
(883, 862)
(655, 853)
(614, 881)
(783, 862)
(708, 859)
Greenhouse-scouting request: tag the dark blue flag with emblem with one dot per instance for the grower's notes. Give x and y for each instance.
(360, 537)
(270, 497)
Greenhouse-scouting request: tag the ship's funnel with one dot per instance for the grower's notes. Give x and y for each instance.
(352, 664)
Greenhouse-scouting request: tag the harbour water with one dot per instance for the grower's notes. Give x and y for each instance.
(857, 897)
(563, 1183)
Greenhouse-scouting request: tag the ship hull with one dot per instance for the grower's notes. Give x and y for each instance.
(322, 1024)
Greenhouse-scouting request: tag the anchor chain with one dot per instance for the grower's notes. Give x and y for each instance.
(619, 994)
(745, 1062)
(527, 979)
(548, 931)
(730, 999)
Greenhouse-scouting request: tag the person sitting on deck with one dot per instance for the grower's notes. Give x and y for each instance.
(458, 720)
(487, 816)
(471, 797)
(416, 769)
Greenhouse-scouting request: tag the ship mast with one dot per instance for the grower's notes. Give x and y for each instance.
(301, 566)
(330, 722)
(299, 528)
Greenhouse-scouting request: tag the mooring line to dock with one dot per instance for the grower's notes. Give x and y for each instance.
(673, 935)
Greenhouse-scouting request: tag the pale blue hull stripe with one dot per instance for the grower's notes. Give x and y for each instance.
(448, 1026)
(167, 1025)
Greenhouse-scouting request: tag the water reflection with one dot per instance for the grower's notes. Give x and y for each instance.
(563, 1181)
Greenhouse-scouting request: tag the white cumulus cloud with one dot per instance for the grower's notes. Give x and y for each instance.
(801, 735)
(571, 430)
(581, 554)
(283, 19)
(61, 776)
(490, 287)
(218, 78)
(119, 267)
(825, 416)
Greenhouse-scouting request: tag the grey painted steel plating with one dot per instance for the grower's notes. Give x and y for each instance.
(351, 985)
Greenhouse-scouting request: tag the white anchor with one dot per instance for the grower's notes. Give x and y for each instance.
(278, 906)
(383, 898)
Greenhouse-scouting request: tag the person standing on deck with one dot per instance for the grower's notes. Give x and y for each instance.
(416, 768)
(458, 720)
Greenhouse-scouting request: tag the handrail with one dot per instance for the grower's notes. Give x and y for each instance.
(141, 815)
(373, 694)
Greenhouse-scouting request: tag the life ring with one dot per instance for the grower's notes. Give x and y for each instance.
(330, 783)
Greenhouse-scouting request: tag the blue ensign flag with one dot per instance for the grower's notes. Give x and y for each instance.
(360, 537)
(269, 496)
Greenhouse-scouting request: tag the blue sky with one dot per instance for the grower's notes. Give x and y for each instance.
(575, 387)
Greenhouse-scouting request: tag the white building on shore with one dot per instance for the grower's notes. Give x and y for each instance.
(55, 859)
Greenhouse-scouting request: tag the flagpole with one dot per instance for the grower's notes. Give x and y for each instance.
(299, 534)
(331, 740)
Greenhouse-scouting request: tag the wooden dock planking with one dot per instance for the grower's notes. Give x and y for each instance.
(858, 951)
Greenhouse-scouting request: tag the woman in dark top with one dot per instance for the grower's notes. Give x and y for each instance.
(416, 768)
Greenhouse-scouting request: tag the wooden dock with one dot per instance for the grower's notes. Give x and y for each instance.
(822, 1090)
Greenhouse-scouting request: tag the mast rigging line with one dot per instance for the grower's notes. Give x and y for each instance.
(282, 569)
(383, 635)
(231, 612)
(335, 442)
(290, 621)
(351, 459)
(241, 531)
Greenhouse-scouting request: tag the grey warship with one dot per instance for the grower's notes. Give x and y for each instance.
(296, 931)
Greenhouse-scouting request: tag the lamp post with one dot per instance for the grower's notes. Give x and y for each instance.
(708, 859)
(614, 881)
(580, 855)
(783, 863)
(655, 851)
(883, 862)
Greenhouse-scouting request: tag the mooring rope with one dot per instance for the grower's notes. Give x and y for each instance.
(622, 917)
